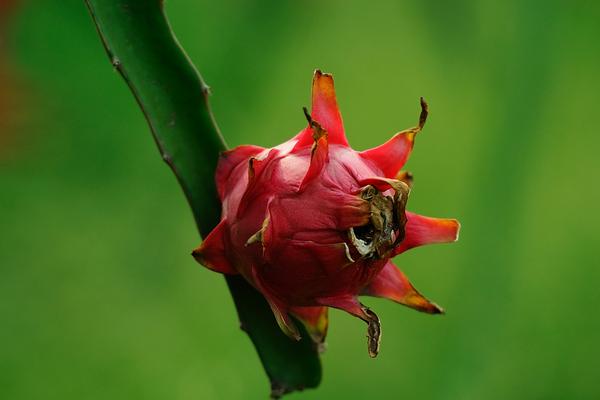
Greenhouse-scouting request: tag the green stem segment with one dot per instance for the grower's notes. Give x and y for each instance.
(174, 100)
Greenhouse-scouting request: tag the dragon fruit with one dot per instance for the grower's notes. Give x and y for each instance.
(312, 223)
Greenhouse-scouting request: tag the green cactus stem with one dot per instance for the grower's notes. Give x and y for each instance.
(174, 100)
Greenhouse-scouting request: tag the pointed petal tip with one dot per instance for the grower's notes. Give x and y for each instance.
(324, 82)
(458, 227)
(201, 257)
(211, 252)
(417, 301)
(325, 108)
(424, 113)
(212, 259)
(421, 303)
(435, 309)
(323, 85)
(422, 230)
(452, 226)
(197, 254)
(392, 284)
(318, 73)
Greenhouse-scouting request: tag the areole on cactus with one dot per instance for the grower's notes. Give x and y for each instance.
(312, 223)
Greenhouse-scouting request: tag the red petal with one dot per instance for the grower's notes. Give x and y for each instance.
(391, 156)
(421, 230)
(347, 303)
(280, 310)
(318, 158)
(325, 111)
(392, 284)
(316, 256)
(211, 253)
(298, 217)
(315, 319)
(351, 305)
(231, 159)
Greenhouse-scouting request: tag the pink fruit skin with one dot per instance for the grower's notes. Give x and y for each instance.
(293, 217)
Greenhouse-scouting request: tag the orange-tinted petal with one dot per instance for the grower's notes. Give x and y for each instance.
(392, 284)
(421, 230)
(315, 319)
(325, 111)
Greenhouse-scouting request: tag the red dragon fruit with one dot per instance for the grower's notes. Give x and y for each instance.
(312, 224)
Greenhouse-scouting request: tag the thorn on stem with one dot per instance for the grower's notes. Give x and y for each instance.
(206, 89)
(167, 158)
(115, 62)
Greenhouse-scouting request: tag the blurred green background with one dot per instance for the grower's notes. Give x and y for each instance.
(100, 299)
